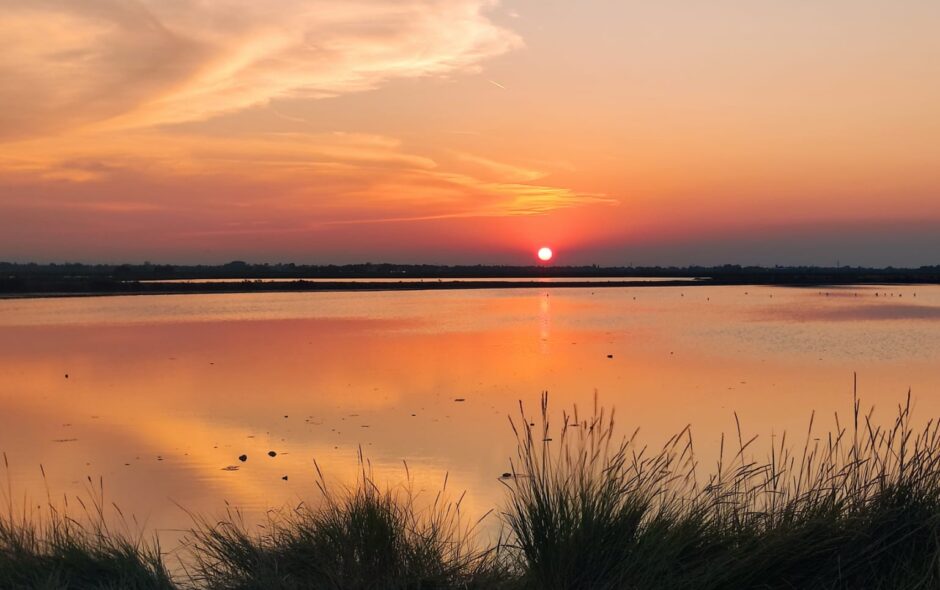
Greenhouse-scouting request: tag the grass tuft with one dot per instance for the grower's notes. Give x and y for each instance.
(362, 537)
(51, 550)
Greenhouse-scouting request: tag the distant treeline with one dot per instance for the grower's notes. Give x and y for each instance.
(32, 278)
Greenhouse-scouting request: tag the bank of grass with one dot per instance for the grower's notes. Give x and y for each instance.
(856, 507)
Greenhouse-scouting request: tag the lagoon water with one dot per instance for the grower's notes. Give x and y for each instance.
(157, 396)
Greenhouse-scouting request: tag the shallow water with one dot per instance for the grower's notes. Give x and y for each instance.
(165, 392)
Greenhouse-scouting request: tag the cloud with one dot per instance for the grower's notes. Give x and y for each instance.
(305, 179)
(70, 63)
(138, 63)
(501, 170)
(93, 92)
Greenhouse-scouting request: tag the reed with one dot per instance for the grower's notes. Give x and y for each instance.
(856, 508)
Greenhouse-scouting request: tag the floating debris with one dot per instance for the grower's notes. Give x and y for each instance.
(460, 399)
(610, 356)
(284, 478)
(506, 475)
(230, 468)
(64, 440)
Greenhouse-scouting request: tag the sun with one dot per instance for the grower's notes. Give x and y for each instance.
(545, 254)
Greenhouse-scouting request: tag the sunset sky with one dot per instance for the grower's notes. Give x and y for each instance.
(466, 131)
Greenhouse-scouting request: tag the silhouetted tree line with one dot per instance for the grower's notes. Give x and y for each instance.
(78, 277)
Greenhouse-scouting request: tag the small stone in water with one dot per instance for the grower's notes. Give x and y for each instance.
(284, 478)
(272, 454)
(243, 458)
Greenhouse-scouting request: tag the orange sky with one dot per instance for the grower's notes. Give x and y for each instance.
(618, 132)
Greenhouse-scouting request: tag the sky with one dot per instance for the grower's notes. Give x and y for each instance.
(673, 132)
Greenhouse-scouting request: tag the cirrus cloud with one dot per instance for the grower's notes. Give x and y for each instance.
(133, 63)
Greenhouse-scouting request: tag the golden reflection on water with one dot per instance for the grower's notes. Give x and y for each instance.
(164, 393)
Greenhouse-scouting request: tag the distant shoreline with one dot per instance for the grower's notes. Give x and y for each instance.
(29, 280)
(318, 286)
(301, 286)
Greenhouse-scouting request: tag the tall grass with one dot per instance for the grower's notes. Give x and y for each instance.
(857, 508)
(54, 550)
(586, 507)
(356, 538)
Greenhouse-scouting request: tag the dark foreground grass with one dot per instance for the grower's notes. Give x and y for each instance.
(53, 550)
(357, 538)
(854, 508)
(857, 508)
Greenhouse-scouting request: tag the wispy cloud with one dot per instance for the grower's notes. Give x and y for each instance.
(319, 177)
(501, 170)
(149, 62)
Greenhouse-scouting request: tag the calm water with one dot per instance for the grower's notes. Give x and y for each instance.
(164, 392)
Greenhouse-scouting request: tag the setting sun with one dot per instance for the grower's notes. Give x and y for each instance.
(545, 254)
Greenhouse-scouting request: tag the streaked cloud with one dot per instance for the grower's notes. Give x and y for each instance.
(137, 63)
(308, 179)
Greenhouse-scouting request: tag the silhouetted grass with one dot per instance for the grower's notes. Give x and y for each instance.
(858, 507)
(356, 538)
(52, 550)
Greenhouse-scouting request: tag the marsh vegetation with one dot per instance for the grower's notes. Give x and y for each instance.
(857, 506)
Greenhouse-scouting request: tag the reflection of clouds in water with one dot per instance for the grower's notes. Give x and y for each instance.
(831, 334)
(892, 311)
(833, 325)
(800, 343)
